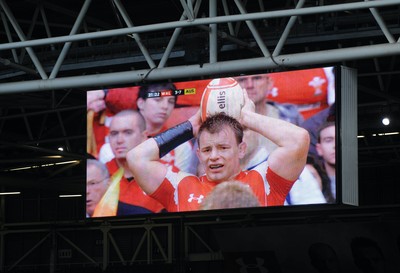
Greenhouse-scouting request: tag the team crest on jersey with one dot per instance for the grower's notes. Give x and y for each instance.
(199, 198)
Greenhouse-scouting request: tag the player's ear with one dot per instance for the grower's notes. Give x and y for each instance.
(242, 149)
(140, 103)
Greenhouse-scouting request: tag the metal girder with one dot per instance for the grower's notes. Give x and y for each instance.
(66, 47)
(292, 60)
(202, 230)
(148, 236)
(136, 36)
(214, 66)
(202, 21)
(22, 37)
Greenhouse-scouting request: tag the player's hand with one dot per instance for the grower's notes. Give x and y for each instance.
(95, 100)
(247, 107)
(196, 122)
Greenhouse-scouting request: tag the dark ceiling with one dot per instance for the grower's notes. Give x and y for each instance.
(48, 114)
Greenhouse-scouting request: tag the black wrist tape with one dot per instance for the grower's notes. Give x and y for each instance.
(173, 137)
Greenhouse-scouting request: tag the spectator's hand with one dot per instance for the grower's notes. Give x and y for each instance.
(196, 122)
(95, 100)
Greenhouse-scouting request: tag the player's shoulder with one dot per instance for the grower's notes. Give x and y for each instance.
(178, 177)
(259, 170)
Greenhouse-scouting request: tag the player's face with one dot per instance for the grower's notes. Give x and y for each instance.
(219, 154)
(96, 185)
(124, 135)
(326, 147)
(257, 86)
(156, 111)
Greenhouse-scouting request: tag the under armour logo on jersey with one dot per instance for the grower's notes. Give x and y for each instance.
(194, 198)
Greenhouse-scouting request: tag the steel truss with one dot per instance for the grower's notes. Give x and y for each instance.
(162, 244)
(72, 246)
(190, 19)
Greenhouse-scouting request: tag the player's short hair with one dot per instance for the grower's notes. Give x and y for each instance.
(137, 114)
(102, 167)
(216, 123)
(144, 90)
(323, 126)
(230, 194)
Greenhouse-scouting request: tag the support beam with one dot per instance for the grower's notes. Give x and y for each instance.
(9, 36)
(135, 36)
(25, 69)
(236, 66)
(202, 21)
(382, 25)
(46, 25)
(254, 31)
(175, 35)
(188, 9)
(286, 32)
(29, 251)
(30, 31)
(77, 248)
(22, 37)
(67, 45)
(213, 42)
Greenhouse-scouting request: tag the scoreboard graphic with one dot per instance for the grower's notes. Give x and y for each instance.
(177, 92)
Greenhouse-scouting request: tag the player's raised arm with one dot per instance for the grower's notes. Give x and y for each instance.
(289, 159)
(143, 160)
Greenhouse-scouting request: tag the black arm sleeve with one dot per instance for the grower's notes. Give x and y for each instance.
(173, 137)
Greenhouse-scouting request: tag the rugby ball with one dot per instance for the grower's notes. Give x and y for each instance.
(222, 95)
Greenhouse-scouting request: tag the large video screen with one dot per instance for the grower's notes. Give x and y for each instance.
(153, 149)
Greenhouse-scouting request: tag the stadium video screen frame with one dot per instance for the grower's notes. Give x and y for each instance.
(308, 98)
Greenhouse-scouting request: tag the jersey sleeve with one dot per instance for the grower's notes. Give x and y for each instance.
(165, 195)
(279, 188)
(173, 192)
